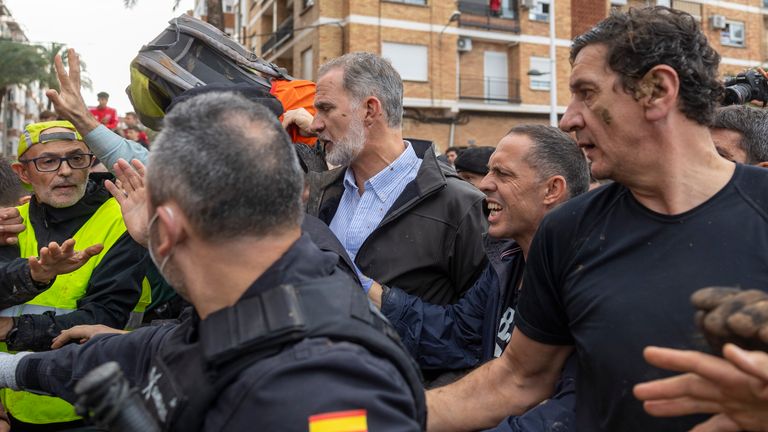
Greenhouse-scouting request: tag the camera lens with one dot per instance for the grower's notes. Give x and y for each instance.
(737, 94)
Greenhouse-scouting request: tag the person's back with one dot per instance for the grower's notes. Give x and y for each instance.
(280, 337)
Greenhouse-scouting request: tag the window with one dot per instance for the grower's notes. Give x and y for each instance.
(692, 8)
(539, 11)
(409, 60)
(733, 34)
(495, 76)
(540, 73)
(508, 9)
(765, 3)
(307, 64)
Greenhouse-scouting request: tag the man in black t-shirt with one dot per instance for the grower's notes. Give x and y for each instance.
(611, 272)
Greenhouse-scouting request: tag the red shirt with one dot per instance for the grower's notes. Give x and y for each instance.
(106, 116)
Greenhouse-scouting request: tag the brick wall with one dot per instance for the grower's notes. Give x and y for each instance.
(586, 13)
(482, 129)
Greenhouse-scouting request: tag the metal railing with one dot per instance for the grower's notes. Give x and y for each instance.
(283, 33)
(476, 13)
(489, 89)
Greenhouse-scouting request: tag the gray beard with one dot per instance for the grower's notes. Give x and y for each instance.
(346, 149)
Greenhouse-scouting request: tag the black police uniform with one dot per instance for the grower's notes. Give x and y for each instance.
(302, 342)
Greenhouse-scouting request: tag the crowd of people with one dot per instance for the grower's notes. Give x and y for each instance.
(608, 275)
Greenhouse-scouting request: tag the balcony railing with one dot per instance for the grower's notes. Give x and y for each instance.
(478, 14)
(489, 89)
(283, 33)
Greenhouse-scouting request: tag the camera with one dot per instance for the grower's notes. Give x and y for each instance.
(746, 87)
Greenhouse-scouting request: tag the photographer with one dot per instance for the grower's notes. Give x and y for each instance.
(740, 133)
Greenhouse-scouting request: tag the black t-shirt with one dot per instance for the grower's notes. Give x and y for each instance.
(610, 277)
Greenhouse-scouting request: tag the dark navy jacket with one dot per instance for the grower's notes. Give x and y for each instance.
(476, 330)
(462, 335)
(280, 392)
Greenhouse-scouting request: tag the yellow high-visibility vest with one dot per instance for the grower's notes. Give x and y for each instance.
(105, 227)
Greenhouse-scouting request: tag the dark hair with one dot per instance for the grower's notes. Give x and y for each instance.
(473, 159)
(102, 95)
(555, 153)
(643, 38)
(133, 128)
(10, 185)
(132, 114)
(230, 166)
(453, 149)
(47, 114)
(752, 124)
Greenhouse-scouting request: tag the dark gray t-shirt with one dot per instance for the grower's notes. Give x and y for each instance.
(610, 277)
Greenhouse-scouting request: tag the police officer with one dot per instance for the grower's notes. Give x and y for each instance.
(279, 339)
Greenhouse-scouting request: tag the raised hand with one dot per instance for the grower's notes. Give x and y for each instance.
(301, 119)
(11, 225)
(68, 102)
(58, 259)
(131, 194)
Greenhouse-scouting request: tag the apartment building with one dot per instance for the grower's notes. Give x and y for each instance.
(472, 69)
(21, 104)
(228, 9)
(738, 30)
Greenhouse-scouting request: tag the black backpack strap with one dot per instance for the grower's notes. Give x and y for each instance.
(332, 307)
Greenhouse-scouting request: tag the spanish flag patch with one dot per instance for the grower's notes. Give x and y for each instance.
(339, 421)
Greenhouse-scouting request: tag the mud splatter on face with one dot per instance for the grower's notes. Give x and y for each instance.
(646, 87)
(604, 115)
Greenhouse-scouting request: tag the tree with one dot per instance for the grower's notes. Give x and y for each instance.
(49, 79)
(214, 8)
(22, 64)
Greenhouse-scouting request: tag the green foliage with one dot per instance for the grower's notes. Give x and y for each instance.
(22, 63)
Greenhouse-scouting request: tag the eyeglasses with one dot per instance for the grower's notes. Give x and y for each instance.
(51, 163)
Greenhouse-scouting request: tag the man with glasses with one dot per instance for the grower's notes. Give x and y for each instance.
(67, 203)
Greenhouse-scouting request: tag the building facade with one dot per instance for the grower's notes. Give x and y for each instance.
(472, 69)
(21, 104)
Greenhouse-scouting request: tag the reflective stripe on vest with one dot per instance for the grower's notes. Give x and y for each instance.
(30, 309)
(105, 227)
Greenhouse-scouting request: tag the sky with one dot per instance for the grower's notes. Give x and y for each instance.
(105, 34)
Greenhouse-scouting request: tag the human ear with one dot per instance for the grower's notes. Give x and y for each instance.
(20, 171)
(658, 91)
(556, 190)
(373, 110)
(171, 228)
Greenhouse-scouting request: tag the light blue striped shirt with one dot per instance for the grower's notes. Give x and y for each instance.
(358, 215)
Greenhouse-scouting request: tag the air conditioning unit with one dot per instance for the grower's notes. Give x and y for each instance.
(464, 44)
(717, 21)
(528, 4)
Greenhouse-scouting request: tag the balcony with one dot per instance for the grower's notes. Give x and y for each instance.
(489, 89)
(475, 13)
(283, 33)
